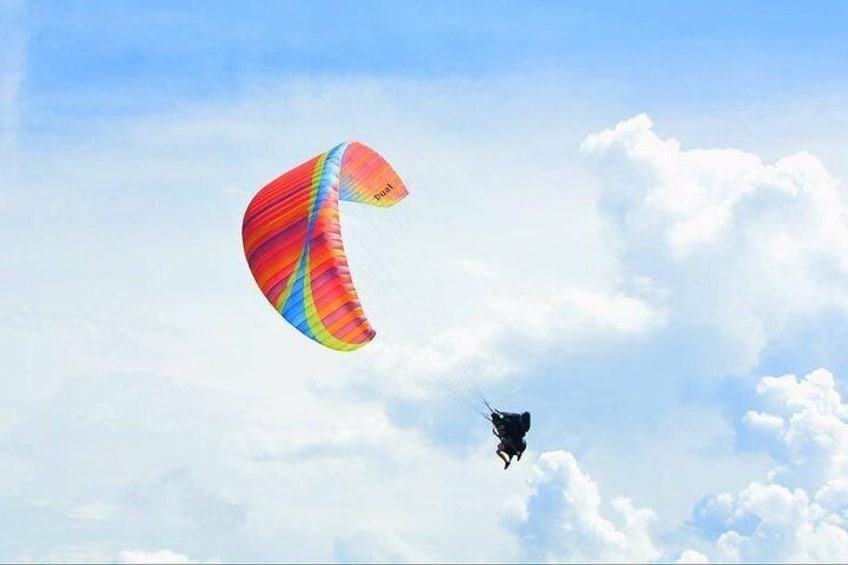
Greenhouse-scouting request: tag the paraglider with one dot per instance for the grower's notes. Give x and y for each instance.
(510, 428)
(293, 244)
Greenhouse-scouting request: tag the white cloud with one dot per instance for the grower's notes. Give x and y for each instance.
(738, 244)
(798, 514)
(474, 350)
(801, 513)
(138, 556)
(806, 427)
(692, 556)
(769, 522)
(561, 518)
(573, 313)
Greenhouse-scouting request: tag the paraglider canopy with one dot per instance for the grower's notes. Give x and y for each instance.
(293, 243)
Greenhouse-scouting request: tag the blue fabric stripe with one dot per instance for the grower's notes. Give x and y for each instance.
(294, 310)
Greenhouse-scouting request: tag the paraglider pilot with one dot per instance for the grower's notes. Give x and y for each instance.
(510, 428)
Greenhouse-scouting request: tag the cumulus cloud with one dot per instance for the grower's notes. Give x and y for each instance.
(800, 513)
(797, 513)
(772, 523)
(561, 518)
(804, 427)
(736, 243)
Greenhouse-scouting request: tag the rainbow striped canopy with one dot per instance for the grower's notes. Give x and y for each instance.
(293, 243)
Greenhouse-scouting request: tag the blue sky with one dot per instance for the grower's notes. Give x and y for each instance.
(628, 218)
(150, 55)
